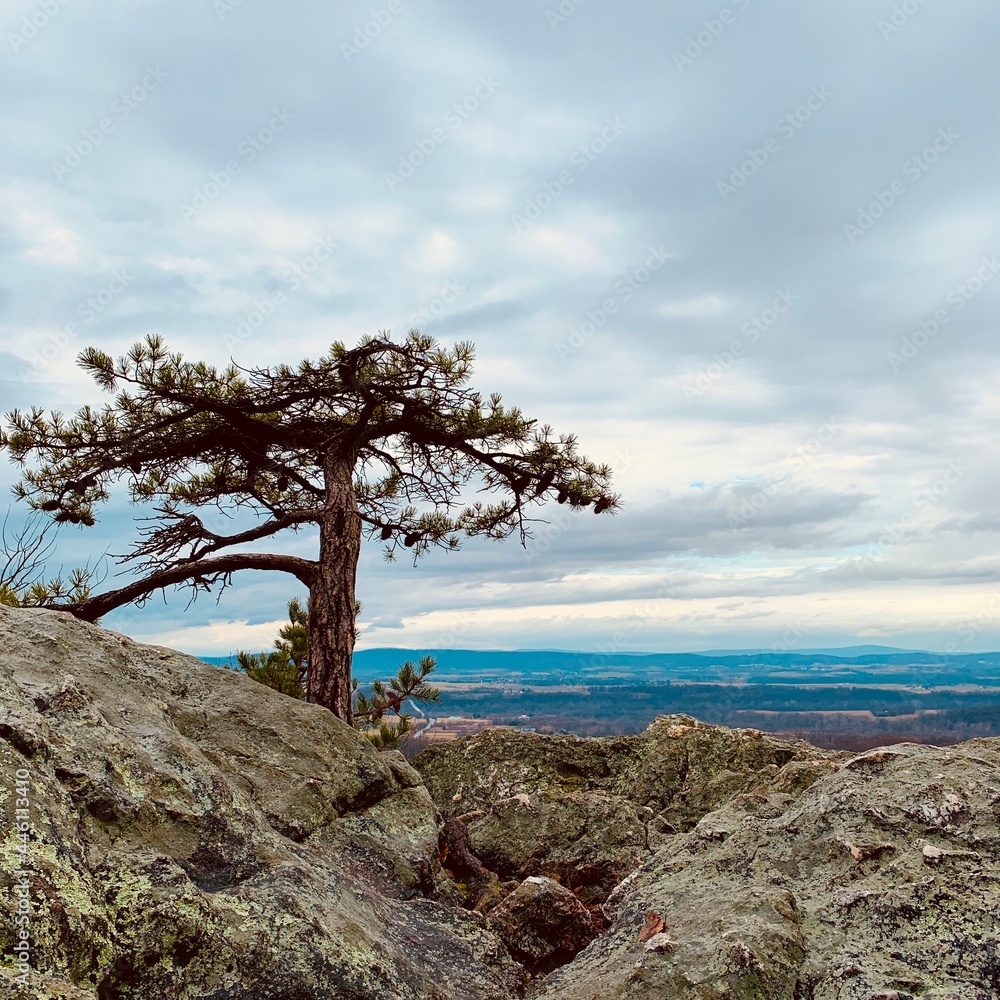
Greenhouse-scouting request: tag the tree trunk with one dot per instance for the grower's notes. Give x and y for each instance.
(331, 596)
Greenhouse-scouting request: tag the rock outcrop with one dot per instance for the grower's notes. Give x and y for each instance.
(879, 882)
(192, 834)
(588, 812)
(768, 870)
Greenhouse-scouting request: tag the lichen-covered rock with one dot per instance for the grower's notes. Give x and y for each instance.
(831, 896)
(543, 924)
(195, 834)
(587, 812)
(191, 834)
(587, 841)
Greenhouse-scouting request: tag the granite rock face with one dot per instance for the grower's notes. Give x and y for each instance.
(881, 881)
(192, 834)
(588, 812)
(195, 834)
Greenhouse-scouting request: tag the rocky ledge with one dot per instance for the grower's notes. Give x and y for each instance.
(192, 834)
(195, 834)
(744, 867)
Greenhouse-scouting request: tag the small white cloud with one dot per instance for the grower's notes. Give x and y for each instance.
(386, 621)
(438, 252)
(698, 308)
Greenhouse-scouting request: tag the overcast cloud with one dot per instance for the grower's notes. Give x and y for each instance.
(748, 252)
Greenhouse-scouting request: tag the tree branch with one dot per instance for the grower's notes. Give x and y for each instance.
(215, 542)
(165, 546)
(203, 570)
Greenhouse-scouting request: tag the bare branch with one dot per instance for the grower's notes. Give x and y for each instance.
(179, 538)
(25, 550)
(204, 573)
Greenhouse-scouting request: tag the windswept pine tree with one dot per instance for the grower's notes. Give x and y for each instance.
(385, 440)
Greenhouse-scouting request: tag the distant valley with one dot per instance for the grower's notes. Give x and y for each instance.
(855, 697)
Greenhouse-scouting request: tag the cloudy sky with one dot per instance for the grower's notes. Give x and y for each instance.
(746, 252)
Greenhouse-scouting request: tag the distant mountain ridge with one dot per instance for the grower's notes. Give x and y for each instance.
(834, 651)
(625, 656)
(564, 666)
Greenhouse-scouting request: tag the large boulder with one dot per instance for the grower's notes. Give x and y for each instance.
(543, 924)
(588, 812)
(191, 833)
(881, 881)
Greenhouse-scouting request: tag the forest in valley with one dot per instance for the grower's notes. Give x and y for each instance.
(851, 717)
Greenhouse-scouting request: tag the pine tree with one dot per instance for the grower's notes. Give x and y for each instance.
(286, 669)
(383, 440)
(409, 684)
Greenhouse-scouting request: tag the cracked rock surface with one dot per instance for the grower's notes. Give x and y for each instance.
(791, 873)
(588, 812)
(195, 834)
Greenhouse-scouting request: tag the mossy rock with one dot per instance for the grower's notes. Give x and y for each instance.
(195, 834)
(587, 812)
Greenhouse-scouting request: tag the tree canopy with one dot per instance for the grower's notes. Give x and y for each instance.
(386, 440)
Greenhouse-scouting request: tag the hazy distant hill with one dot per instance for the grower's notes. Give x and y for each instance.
(886, 665)
(837, 651)
(857, 701)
